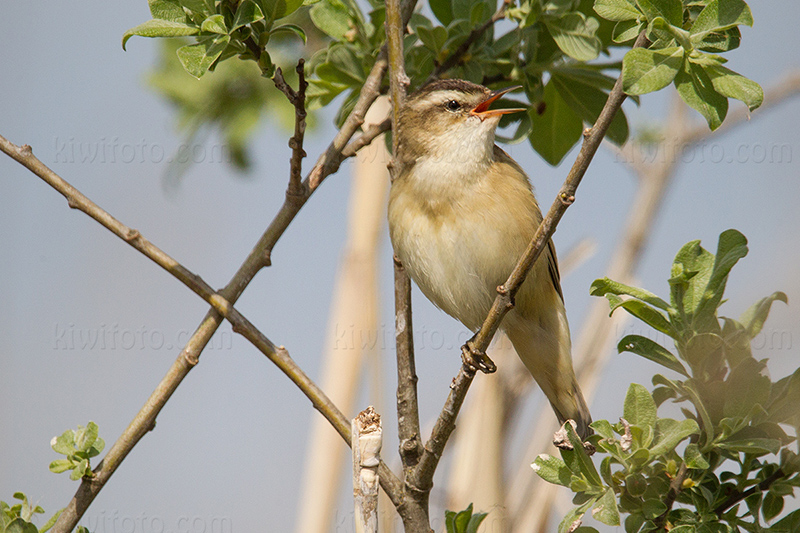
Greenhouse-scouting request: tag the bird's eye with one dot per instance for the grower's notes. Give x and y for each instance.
(453, 105)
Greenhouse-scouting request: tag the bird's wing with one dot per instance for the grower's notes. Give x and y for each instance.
(552, 267)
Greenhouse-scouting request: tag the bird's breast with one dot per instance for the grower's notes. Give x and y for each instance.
(459, 247)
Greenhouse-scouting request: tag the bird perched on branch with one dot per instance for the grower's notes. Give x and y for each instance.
(461, 213)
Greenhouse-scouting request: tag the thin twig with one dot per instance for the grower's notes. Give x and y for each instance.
(298, 100)
(738, 496)
(675, 487)
(459, 53)
(407, 403)
(505, 297)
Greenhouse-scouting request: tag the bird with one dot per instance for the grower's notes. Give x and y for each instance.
(461, 213)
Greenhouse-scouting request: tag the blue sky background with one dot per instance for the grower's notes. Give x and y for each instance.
(229, 445)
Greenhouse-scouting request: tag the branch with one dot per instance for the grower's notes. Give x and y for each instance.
(278, 355)
(298, 100)
(414, 511)
(258, 258)
(407, 403)
(738, 496)
(504, 301)
(675, 488)
(454, 58)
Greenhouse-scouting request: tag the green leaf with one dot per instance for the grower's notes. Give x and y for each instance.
(557, 129)
(64, 443)
(643, 312)
(645, 71)
(577, 459)
(293, 29)
(694, 458)
(434, 38)
(197, 58)
(60, 465)
(603, 286)
(732, 85)
(332, 18)
(159, 28)
(690, 272)
(51, 521)
(670, 10)
(752, 446)
(575, 514)
(731, 247)
(640, 409)
(653, 508)
(753, 319)
(215, 24)
(669, 433)
(442, 10)
(576, 35)
(248, 12)
(552, 469)
(725, 41)
(616, 9)
(720, 15)
(746, 387)
(788, 524)
(635, 484)
(277, 9)
(475, 522)
(170, 10)
(772, 506)
(201, 7)
(696, 89)
(18, 525)
(605, 510)
(626, 30)
(651, 350)
(588, 101)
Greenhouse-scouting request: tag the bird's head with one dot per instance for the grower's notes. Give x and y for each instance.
(450, 118)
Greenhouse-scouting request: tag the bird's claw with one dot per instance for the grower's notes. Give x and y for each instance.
(476, 359)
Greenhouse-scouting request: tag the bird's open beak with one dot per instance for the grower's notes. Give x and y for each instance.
(482, 110)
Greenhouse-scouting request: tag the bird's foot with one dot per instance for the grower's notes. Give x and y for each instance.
(476, 359)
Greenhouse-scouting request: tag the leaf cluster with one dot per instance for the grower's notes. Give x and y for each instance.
(222, 29)
(17, 518)
(463, 521)
(549, 47)
(79, 446)
(726, 463)
(687, 37)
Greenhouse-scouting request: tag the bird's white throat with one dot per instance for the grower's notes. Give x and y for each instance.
(458, 158)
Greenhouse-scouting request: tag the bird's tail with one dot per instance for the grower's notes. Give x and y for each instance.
(544, 347)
